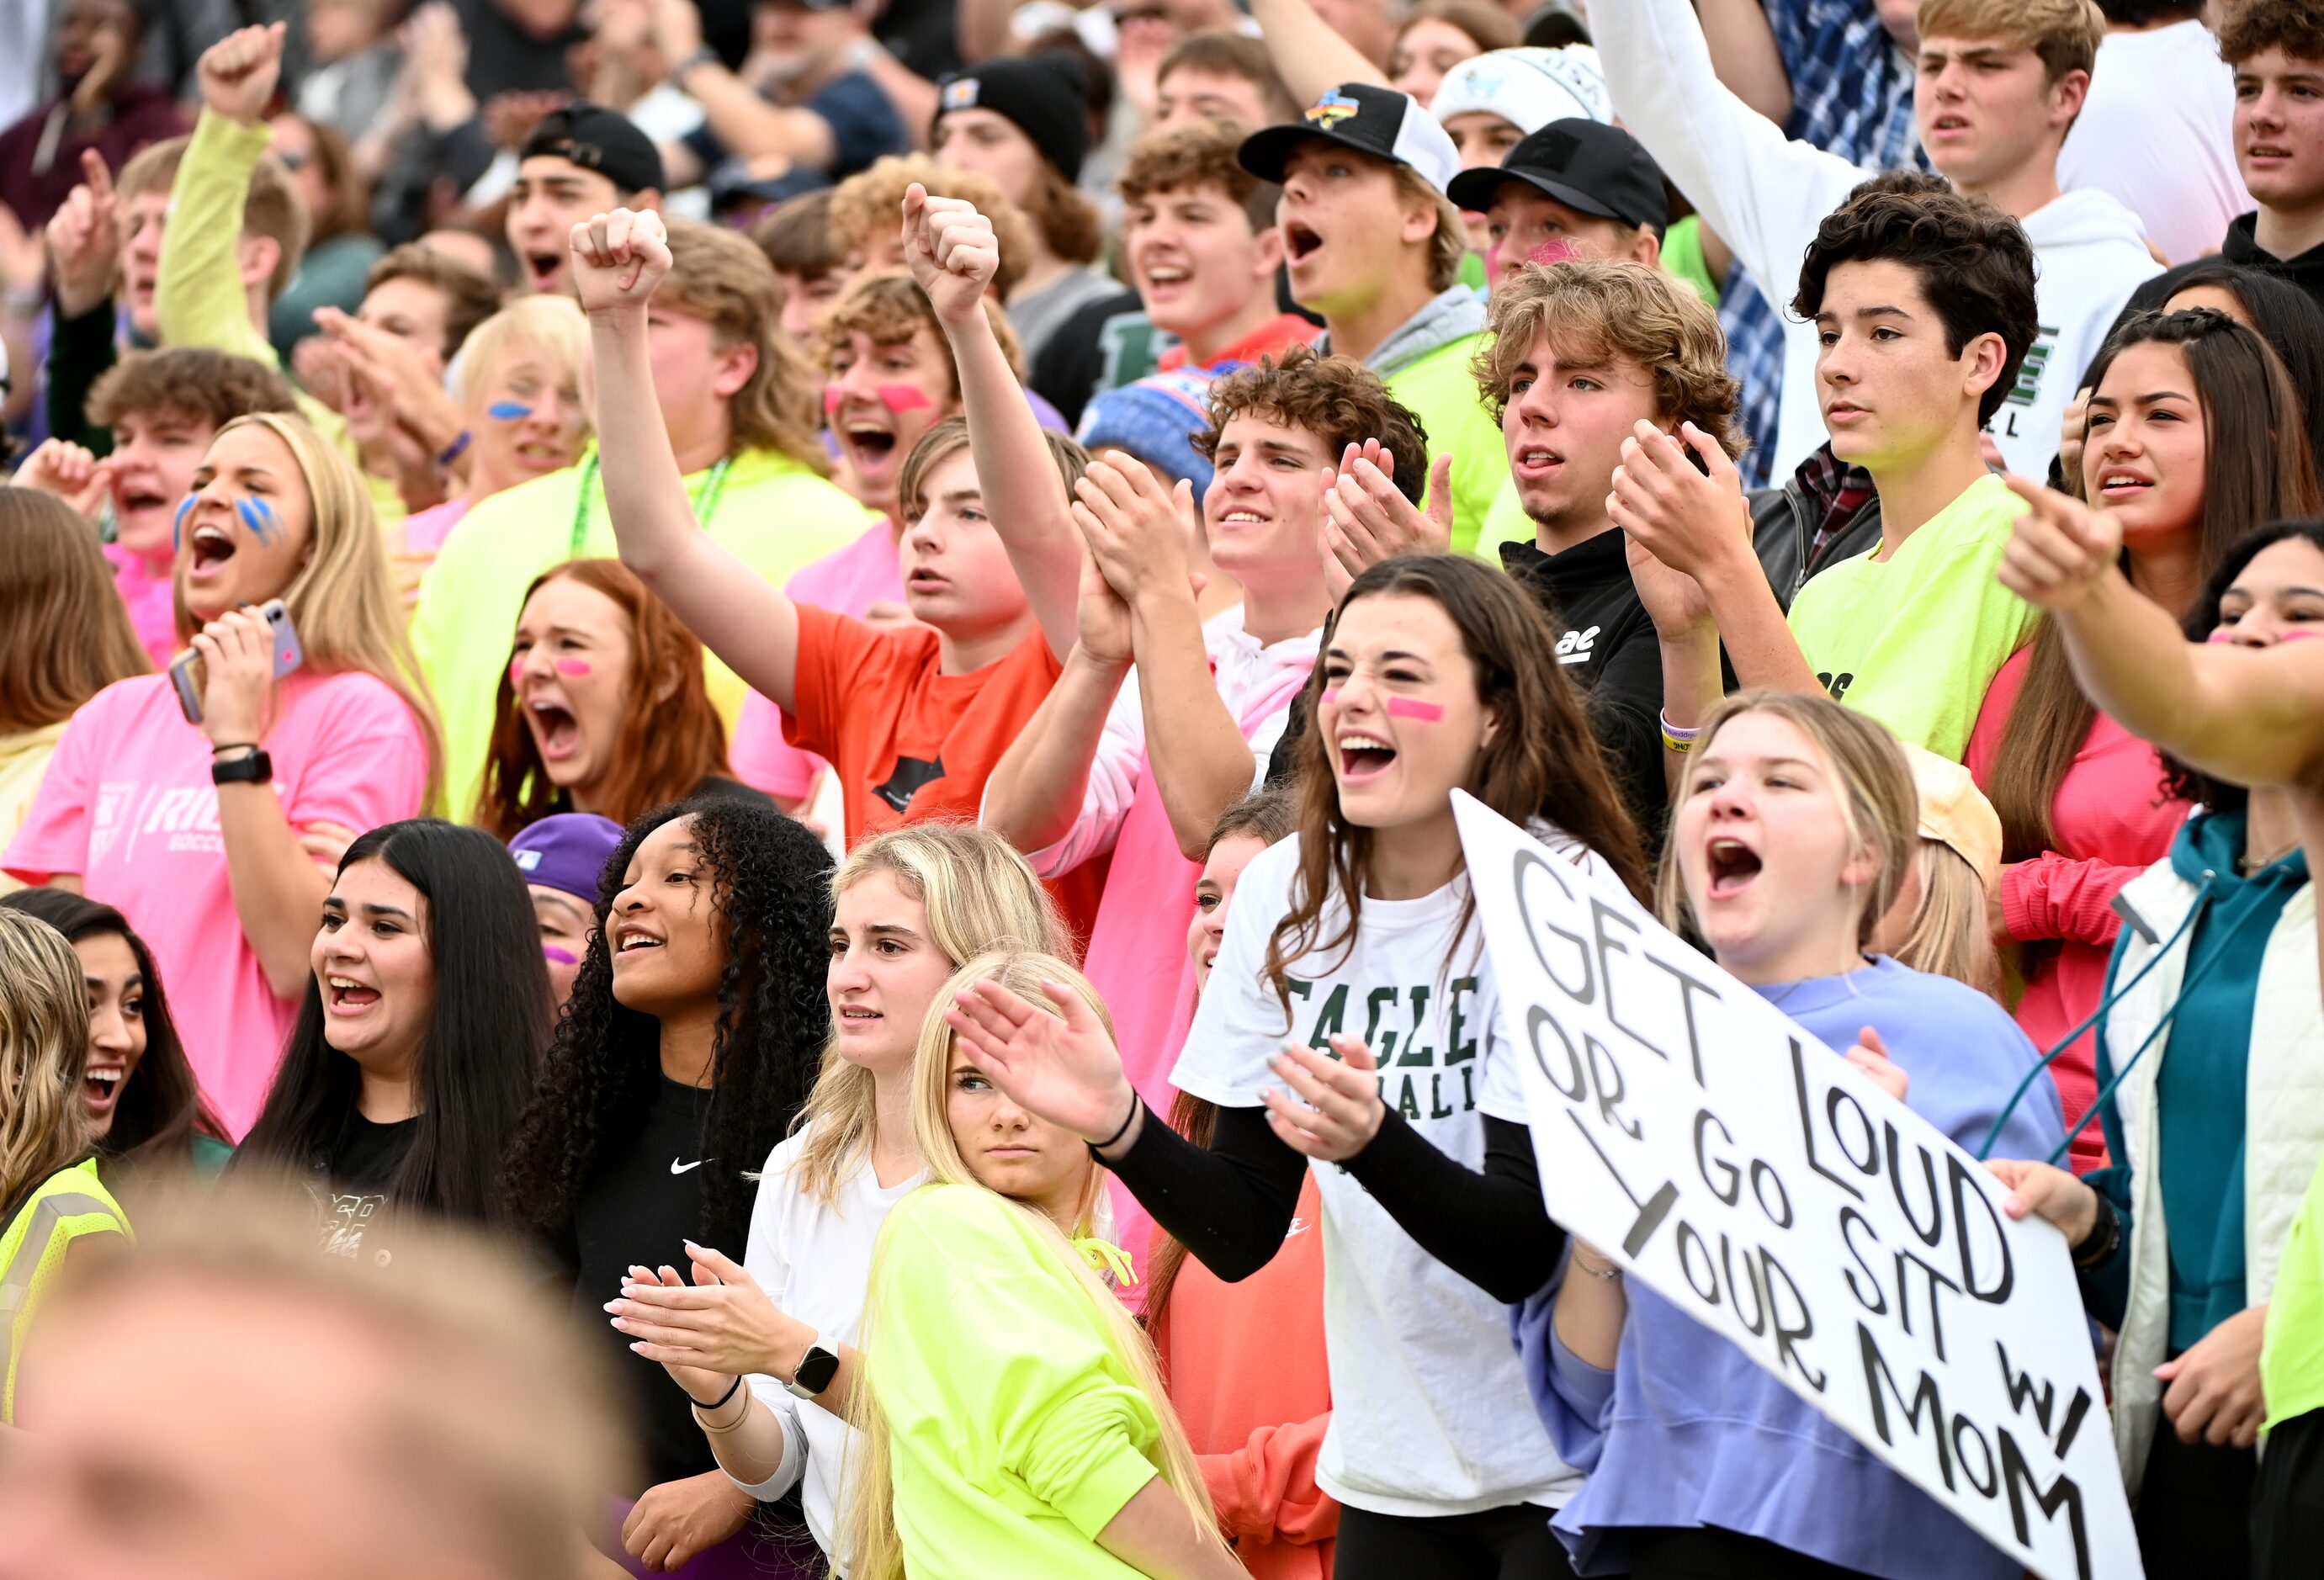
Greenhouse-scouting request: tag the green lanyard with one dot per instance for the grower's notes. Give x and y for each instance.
(704, 503)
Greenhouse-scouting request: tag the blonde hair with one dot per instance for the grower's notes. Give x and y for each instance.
(2065, 34)
(1879, 809)
(550, 323)
(1450, 243)
(718, 275)
(43, 1049)
(1950, 935)
(487, 1434)
(340, 602)
(868, 1534)
(1594, 310)
(979, 895)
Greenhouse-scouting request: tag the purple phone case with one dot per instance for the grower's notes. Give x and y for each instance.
(288, 656)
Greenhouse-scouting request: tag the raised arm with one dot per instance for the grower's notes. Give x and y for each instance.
(955, 255)
(739, 116)
(618, 259)
(1743, 52)
(1310, 55)
(199, 297)
(2249, 717)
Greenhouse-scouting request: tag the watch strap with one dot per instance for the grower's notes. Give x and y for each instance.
(815, 1368)
(253, 768)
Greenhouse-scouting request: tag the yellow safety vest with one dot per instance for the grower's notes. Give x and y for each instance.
(71, 1203)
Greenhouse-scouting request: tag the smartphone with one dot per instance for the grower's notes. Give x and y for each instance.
(186, 672)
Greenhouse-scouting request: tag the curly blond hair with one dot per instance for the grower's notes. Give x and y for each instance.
(1595, 310)
(871, 201)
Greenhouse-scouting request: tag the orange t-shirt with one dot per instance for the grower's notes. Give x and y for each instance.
(912, 745)
(1248, 1378)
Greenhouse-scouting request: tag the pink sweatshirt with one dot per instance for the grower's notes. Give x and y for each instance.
(848, 582)
(148, 585)
(1248, 1378)
(2113, 822)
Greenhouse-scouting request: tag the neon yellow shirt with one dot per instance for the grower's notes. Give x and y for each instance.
(771, 509)
(2291, 1356)
(69, 1204)
(1016, 1429)
(1916, 638)
(1440, 391)
(198, 297)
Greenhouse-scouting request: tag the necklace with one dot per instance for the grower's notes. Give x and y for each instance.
(2251, 861)
(704, 500)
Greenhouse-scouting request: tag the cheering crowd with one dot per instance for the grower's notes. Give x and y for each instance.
(728, 733)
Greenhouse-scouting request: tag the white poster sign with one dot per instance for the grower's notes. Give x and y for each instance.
(1762, 1184)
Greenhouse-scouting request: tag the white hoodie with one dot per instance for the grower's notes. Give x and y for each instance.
(1765, 195)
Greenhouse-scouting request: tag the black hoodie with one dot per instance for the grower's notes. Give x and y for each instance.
(1608, 648)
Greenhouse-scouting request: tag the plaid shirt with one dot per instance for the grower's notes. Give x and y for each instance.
(1852, 96)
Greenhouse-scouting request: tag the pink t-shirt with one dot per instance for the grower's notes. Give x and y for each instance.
(848, 580)
(425, 533)
(147, 584)
(128, 805)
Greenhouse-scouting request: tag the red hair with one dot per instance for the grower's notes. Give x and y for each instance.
(671, 736)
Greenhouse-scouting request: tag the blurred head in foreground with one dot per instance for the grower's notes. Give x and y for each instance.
(428, 1420)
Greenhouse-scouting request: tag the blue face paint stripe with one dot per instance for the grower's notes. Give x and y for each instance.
(177, 526)
(259, 518)
(507, 411)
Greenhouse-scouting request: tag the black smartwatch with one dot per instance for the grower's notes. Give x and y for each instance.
(816, 1369)
(254, 768)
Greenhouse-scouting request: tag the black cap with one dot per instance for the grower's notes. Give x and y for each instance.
(1045, 95)
(600, 139)
(1586, 165)
(1378, 121)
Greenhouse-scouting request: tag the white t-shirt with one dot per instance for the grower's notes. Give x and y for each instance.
(814, 1262)
(2157, 131)
(1430, 1414)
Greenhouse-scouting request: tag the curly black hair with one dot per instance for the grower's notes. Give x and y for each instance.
(770, 885)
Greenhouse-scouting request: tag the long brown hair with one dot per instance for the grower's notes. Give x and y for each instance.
(2257, 466)
(1544, 762)
(64, 633)
(671, 736)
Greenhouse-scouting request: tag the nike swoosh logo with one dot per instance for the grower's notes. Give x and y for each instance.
(677, 1168)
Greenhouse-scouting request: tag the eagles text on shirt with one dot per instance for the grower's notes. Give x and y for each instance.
(1415, 1079)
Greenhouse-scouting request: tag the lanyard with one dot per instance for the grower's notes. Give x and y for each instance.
(705, 502)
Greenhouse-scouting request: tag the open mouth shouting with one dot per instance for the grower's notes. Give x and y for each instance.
(1363, 756)
(1732, 865)
(1165, 281)
(1300, 242)
(209, 547)
(870, 444)
(546, 269)
(343, 996)
(100, 1087)
(556, 732)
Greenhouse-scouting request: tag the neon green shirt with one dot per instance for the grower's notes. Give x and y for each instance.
(2291, 1356)
(771, 509)
(1682, 258)
(1915, 639)
(1440, 391)
(198, 297)
(1017, 1428)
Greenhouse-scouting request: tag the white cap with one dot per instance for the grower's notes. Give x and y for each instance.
(1526, 87)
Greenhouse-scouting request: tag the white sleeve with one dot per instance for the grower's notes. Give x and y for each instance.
(1240, 1025)
(1114, 776)
(1762, 193)
(767, 1260)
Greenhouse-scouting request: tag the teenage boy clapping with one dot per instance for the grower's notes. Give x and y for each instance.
(1922, 303)
(1999, 84)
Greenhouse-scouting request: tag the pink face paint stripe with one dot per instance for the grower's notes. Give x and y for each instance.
(571, 666)
(1332, 695)
(1412, 708)
(903, 397)
(831, 399)
(557, 956)
(516, 674)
